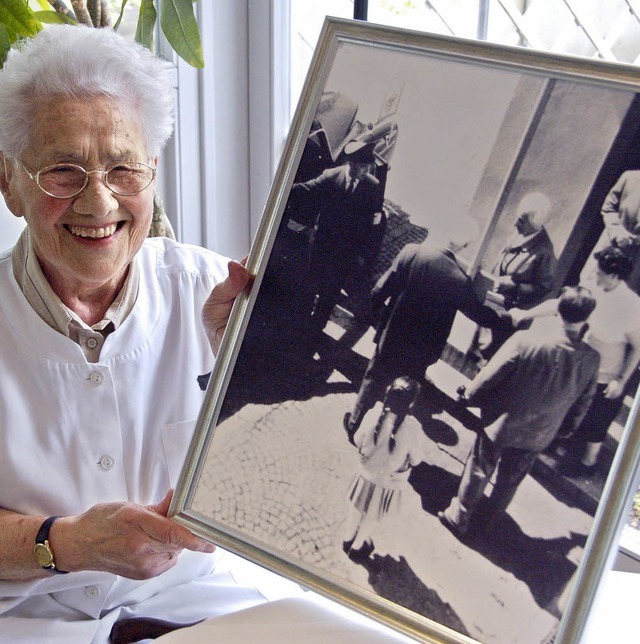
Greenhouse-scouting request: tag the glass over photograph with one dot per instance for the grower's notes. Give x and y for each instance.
(439, 359)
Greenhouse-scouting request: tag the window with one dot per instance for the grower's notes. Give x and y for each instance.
(604, 29)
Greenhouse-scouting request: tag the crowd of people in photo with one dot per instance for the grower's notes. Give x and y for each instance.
(553, 364)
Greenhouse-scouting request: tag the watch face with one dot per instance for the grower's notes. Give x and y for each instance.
(43, 555)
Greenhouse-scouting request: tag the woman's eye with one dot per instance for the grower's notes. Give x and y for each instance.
(63, 169)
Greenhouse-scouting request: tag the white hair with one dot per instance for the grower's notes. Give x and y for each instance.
(82, 62)
(538, 206)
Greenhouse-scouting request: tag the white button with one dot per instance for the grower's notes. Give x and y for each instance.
(92, 343)
(91, 591)
(96, 378)
(106, 462)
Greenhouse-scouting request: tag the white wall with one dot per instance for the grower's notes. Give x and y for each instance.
(448, 118)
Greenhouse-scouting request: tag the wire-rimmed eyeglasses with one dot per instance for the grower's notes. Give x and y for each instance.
(65, 180)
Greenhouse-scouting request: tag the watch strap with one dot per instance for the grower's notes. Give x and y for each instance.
(42, 538)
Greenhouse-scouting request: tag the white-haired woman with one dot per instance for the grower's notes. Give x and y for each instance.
(526, 267)
(525, 270)
(101, 342)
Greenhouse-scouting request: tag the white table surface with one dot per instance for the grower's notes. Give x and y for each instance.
(293, 616)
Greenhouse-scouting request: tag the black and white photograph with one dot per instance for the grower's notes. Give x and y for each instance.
(434, 375)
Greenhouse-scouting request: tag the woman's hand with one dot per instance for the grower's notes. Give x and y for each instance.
(217, 308)
(504, 283)
(517, 316)
(134, 541)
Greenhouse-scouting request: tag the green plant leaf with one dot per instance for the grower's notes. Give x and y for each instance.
(180, 27)
(119, 20)
(146, 23)
(54, 18)
(5, 44)
(18, 19)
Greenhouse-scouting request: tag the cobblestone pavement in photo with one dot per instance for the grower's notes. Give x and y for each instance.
(279, 474)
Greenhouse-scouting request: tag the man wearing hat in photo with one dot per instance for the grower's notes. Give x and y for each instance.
(346, 198)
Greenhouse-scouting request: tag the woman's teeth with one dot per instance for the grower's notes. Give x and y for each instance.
(94, 233)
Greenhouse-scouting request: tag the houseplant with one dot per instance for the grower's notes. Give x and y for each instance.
(24, 18)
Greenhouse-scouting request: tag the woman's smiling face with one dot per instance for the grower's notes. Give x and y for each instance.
(84, 242)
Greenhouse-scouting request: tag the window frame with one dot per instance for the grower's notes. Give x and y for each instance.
(232, 118)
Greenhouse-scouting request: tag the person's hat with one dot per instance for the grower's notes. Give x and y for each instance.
(359, 152)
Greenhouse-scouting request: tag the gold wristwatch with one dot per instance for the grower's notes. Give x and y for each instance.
(42, 550)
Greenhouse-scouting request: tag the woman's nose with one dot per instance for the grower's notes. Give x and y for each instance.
(96, 198)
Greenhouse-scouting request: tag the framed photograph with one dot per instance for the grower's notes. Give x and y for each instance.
(406, 414)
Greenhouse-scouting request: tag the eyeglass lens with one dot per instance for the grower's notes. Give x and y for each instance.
(65, 180)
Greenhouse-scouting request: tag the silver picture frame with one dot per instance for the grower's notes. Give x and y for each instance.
(455, 127)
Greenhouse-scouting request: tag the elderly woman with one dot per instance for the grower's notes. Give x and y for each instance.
(525, 269)
(526, 266)
(101, 342)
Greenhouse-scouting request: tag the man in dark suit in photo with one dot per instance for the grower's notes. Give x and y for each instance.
(346, 198)
(419, 297)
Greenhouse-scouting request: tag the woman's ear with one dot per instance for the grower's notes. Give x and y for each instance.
(4, 174)
(7, 170)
